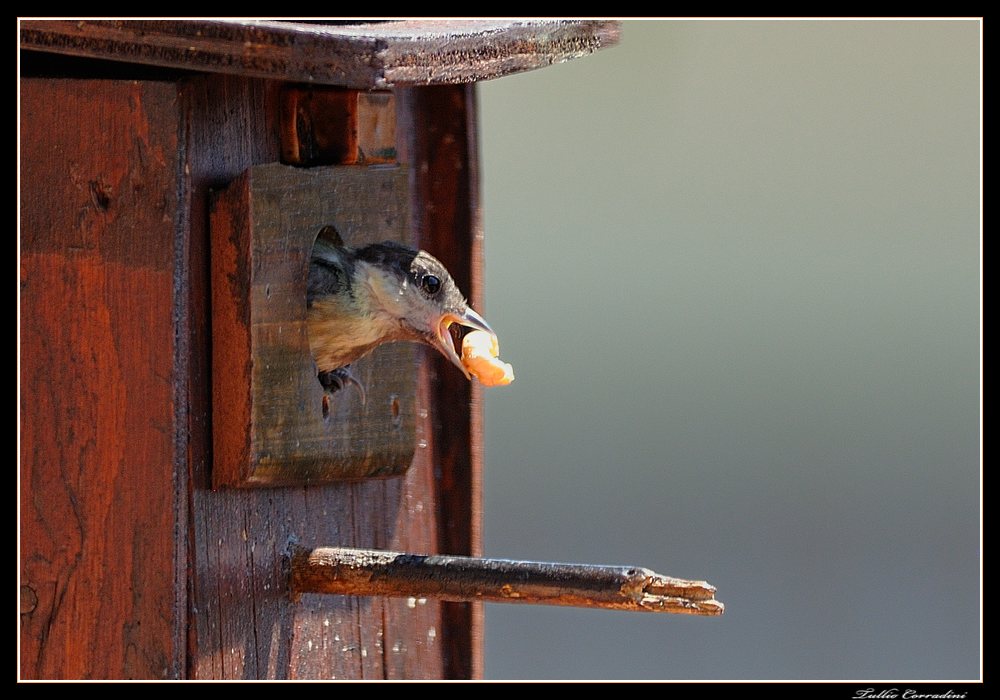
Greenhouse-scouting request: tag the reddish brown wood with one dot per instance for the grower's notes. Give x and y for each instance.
(319, 126)
(372, 55)
(439, 141)
(323, 125)
(231, 323)
(103, 422)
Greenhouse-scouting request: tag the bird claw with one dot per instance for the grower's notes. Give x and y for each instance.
(336, 379)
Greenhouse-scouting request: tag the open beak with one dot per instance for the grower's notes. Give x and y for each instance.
(445, 342)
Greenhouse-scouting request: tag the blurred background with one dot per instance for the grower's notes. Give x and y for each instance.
(736, 268)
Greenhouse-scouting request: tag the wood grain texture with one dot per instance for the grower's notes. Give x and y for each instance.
(103, 428)
(372, 55)
(323, 125)
(243, 621)
(319, 125)
(263, 229)
(438, 137)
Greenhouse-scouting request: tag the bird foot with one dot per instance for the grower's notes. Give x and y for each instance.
(336, 379)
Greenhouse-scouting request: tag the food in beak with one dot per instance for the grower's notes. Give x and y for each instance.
(446, 342)
(480, 352)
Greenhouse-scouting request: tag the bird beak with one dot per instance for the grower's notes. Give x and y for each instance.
(444, 341)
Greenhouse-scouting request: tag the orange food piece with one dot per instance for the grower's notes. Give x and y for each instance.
(479, 356)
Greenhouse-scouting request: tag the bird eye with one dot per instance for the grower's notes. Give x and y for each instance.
(430, 283)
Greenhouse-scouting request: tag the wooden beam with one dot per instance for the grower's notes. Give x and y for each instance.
(438, 139)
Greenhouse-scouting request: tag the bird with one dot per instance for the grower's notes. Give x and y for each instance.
(359, 298)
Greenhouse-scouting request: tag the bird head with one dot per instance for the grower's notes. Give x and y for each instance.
(413, 289)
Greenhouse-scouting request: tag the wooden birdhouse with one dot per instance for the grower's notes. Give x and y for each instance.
(192, 504)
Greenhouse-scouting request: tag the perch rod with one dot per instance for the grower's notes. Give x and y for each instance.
(366, 572)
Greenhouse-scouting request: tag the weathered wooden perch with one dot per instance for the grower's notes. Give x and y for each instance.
(365, 572)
